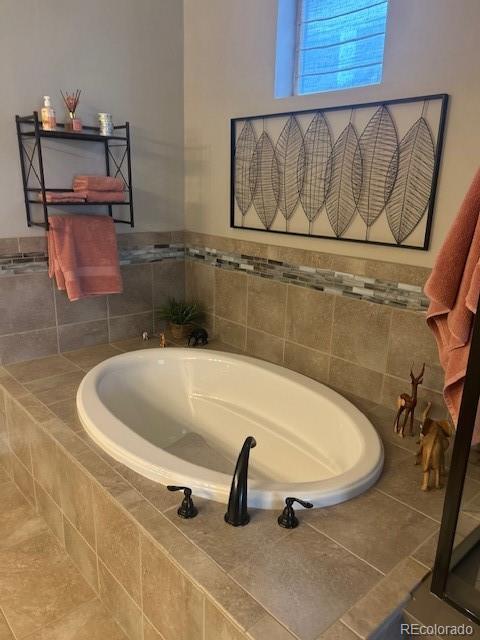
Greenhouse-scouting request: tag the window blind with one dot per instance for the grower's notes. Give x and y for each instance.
(340, 44)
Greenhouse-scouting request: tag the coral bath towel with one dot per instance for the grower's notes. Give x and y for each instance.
(453, 288)
(82, 254)
(97, 183)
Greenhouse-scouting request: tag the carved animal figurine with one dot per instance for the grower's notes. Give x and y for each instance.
(145, 336)
(434, 441)
(198, 336)
(407, 403)
(163, 343)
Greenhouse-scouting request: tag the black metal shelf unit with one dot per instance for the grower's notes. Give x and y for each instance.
(30, 128)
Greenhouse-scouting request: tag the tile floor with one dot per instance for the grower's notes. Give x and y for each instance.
(42, 595)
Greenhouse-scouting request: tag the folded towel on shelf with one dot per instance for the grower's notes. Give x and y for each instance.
(97, 183)
(82, 255)
(454, 288)
(63, 196)
(104, 196)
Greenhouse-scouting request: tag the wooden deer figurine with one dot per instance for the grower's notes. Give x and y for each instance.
(407, 403)
(434, 441)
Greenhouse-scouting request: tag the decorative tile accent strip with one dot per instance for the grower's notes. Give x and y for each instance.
(395, 294)
(18, 263)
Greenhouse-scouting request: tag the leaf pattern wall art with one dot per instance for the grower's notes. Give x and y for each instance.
(341, 172)
(244, 150)
(265, 180)
(377, 148)
(344, 175)
(318, 147)
(290, 154)
(409, 179)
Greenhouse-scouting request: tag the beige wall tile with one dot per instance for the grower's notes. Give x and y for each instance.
(17, 347)
(118, 543)
(18, 519)
(168, 281)
(82, 554)
(363, 382)
(36, 409)
(27, 303)
(11, 386)
(266, 305)
(20, 431)
(32, 243)
(309, 317)
(44, 462)
(338, 631)
(120, 604)
(200, 283)
(149, 631)
(50, 512)
(8, 246)
(360, 332)
(231, 295)
(84, 310)
(217, 626)
(265, 346)
(137, 291)
(311, 363)
(411, 341)
(76, 496)
(122, 327)
(393, 387)
(230, 333)
(180, 616)
(84, 334)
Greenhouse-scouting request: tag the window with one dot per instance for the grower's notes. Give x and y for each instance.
(338, 44)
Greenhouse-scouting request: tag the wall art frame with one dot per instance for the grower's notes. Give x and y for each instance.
(364, 172)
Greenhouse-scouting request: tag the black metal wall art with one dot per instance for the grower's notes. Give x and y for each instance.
(360, 173)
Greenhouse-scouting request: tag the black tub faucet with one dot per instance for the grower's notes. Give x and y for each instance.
(237, 514)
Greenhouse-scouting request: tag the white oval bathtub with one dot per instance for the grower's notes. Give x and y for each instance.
(180, 416)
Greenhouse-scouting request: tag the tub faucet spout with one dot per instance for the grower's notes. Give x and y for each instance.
(237, 514)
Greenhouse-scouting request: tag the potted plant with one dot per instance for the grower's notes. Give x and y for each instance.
(180, 316)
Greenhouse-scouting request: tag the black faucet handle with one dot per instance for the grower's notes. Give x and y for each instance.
(287, 519)
(187, 509)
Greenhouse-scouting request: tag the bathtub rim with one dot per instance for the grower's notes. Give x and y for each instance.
(215, 485)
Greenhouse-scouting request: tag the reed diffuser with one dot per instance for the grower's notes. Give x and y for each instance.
(71, 102)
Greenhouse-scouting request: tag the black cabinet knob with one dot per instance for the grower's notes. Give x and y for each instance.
(187, 509)
(287, 519)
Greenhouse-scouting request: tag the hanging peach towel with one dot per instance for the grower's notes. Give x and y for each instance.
(453, 288)
(82, 255)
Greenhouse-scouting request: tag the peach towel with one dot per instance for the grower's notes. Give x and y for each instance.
(97, 183)
(82, 254)
(104, 196)
(64, 196)
(453, 288)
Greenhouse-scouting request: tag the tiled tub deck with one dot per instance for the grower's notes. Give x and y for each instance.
(336, 577)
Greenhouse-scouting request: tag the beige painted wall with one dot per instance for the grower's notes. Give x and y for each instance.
(127, 57)
(431, 47)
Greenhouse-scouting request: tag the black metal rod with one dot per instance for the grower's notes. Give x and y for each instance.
(40, 167)
(107, 167)
(129, 168)
(458, 468)
(18, 120)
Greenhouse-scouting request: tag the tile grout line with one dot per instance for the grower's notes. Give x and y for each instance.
(56, 315)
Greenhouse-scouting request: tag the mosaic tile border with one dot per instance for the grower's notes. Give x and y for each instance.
(396, 294)
(32, 262)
